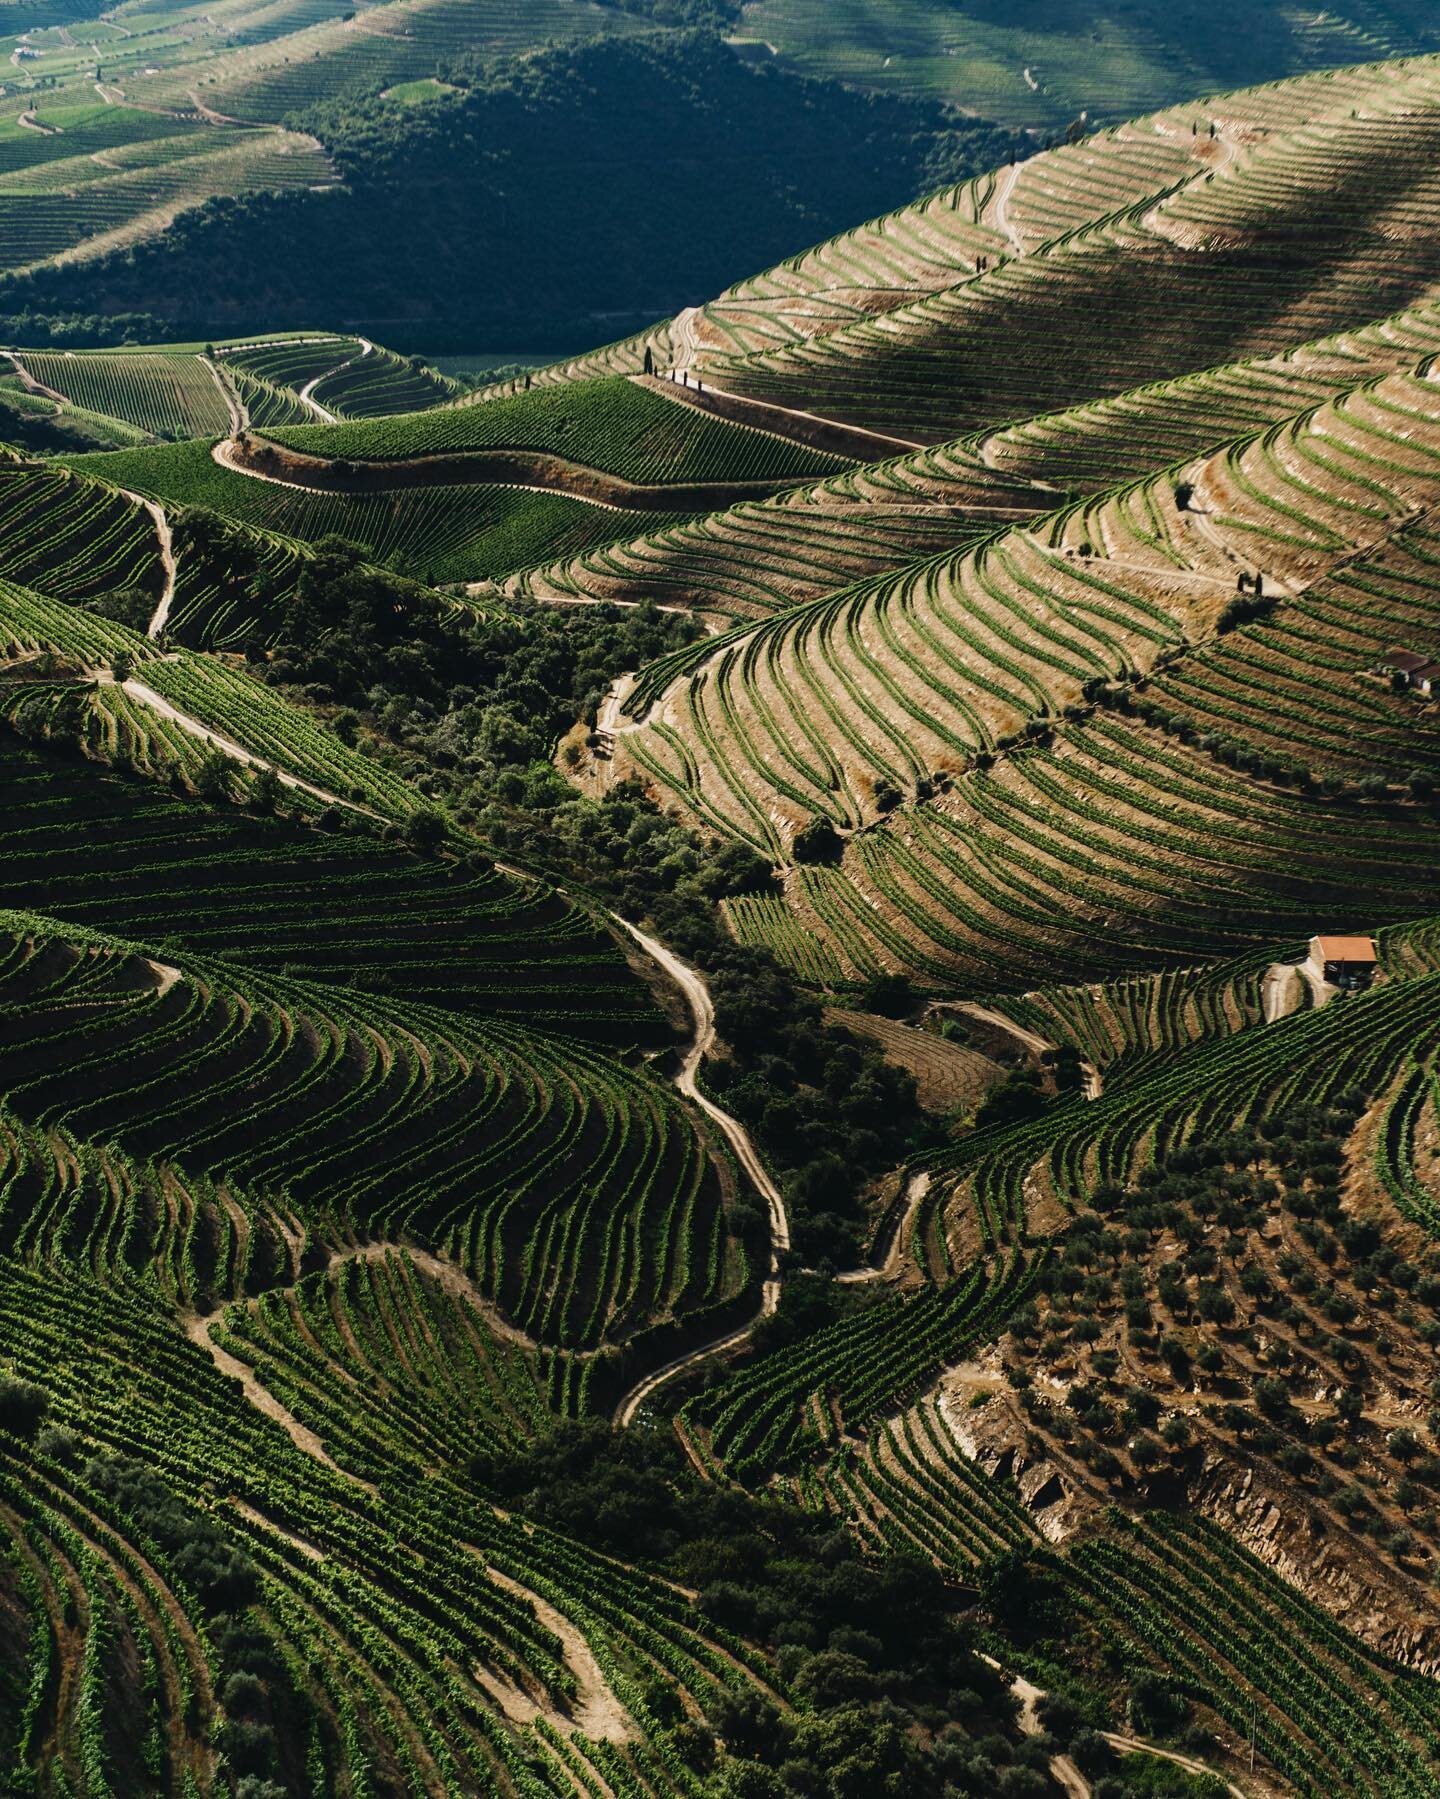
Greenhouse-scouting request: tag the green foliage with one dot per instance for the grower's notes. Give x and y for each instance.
(23, 1406)
(817, 841)
(657, 115)
(1018, 1097)
(612, 425)
(1041, 67)
(216, 777)
(868, 1647)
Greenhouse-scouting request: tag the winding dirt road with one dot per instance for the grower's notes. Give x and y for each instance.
(684, 347)
(842, 438)
(306, 394)
(264, 1401)
(894, 1244)
(536, 471)
(1064, 1771)
(1003, 189)
(229, 393)
(167, 558)
(194, 727)
(27, 380)
(702, 1011)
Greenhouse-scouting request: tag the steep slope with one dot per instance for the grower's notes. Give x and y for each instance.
(449, 212)
(1060, 58)
(1157, 226)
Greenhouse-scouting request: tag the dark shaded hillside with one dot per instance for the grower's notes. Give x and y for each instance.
(555, 197)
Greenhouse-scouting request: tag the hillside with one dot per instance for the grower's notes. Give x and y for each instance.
(436, 199)
(207, 171)
(1059, 59)
(718, 1067)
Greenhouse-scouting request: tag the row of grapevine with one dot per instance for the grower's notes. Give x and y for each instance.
(616, 426)
(1165, 240)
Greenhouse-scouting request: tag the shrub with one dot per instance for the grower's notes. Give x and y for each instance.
(265, 791)
(891, 995)
(818, 841)
(424, 831)
(1091, 1753)
(213, 777)
(23, 1406)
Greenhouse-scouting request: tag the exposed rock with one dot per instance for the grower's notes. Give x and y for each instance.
(995, 1436)
(1366, 1593)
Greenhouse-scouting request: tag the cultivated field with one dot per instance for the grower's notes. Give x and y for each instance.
(604, 1177)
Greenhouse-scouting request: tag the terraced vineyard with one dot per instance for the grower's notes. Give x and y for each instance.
(166, 393)
(591, 1198)
(1046, 66)
(635, 432)
(73, 537)
(439, 534)
(381, 47)
(286, 381)
(126, 174)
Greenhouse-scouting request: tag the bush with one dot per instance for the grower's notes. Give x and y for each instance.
(1156, 1709)
(424, 831)
(1091, 1753)
(818, 841)
(891, 995)
(265, 791)
(243, 1696)
(214, 776)
(250, 1748)
(23, 1406)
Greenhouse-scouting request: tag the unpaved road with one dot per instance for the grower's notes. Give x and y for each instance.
(1321, 989)
(1003, 189)
(198, 1331)
(536, 471)
(1092, 1082)
(234, 405)
(1064, 1771)
(147, 696)
(228, 457)
(916, 1189)
(36, 387)
(1280, 991)
(879, 441)
(702, 1011)
(596, 1711)
(684, 349)
(306, 394)
(167, 558)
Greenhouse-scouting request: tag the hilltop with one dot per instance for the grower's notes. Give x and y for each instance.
(720, 1063)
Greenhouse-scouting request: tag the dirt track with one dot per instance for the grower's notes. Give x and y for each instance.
(811, 428)
(167, 559)
(697, 995)
(534, 469)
